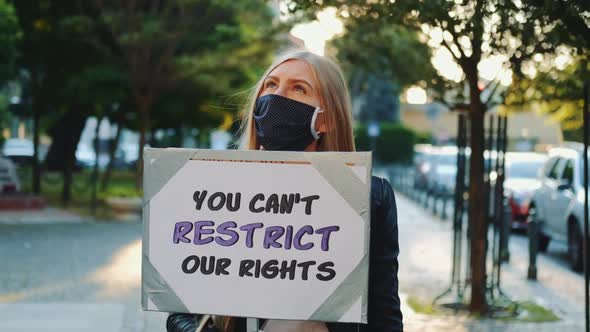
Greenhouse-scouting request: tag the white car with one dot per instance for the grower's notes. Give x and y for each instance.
(442, 173)
(19, 150)
(558, 204)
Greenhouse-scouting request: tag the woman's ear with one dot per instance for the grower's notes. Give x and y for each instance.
(320, 123)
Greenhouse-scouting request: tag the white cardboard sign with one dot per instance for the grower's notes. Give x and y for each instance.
(280, 235)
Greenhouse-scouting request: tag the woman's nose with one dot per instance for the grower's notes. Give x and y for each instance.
(281, 91)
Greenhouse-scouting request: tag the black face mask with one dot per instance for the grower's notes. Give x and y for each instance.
(284, 124)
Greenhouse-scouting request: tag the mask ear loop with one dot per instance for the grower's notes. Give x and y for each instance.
(316, 134)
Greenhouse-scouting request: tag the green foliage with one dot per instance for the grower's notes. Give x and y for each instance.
(238, 51)
(182, 58)
(395, 143)
(5, 115)
(122, 185)
(469, 30)
(392, 52)
(10, 36)
(423, 138)
(569, 18)
(558, 93)
(380, 60)
(120, 191)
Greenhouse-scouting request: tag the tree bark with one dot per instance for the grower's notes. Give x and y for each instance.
(36, 117)
(93, 199)
(106, 177)
(65, 135)
(477, 204)
(144, 127)
(68, 166)
(36, 163)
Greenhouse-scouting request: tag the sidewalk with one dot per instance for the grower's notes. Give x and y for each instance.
(48, 215)
(425, 267)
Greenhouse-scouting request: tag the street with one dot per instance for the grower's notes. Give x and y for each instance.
(86, 276)
(78, 277)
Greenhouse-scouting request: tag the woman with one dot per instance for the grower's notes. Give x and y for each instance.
(301, 103)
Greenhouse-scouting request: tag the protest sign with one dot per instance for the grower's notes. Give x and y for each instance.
(282, 235)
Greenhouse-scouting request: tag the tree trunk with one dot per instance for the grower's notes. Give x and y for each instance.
(36, 163)
(144, 128)
(36, 117)
(68, 167)
(112, 150)
(477, 222)
(65, 135)
(152, 140)
(93, 201)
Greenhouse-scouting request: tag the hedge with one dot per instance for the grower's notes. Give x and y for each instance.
(395, 143)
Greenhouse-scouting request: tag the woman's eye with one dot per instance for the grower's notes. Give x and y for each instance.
(270, 84)
(299, 88)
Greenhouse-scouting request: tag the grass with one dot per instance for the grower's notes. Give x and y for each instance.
(528, 311)
(122, 184)
(531, 312)
(422, 307)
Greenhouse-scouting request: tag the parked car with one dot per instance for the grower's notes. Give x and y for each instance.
(522, 178)
(443, 171)
(422, 160)
(558, 203)
(9, 182)
(19, 150)
(22, 150)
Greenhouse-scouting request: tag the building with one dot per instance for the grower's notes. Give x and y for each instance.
(526, 130)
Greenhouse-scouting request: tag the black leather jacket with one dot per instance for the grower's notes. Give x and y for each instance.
(384, 314)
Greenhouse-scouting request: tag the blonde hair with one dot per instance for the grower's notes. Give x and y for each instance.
(334, 100)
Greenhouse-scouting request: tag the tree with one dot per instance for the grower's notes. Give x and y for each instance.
(390, 51)
(37, 51)
(553, 90)
(65, 80)
(381, 60)
(558, 93)
(471, 30)
(143, 36)
(100, 88)
(10, 36)
(155, 41)
(571, 18)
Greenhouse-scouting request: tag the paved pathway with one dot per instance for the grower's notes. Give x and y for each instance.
(43, 216)
(425, 265)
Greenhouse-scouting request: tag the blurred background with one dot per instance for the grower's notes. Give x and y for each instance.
(474, 111)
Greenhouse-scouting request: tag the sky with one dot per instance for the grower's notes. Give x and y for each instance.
(315, 34)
